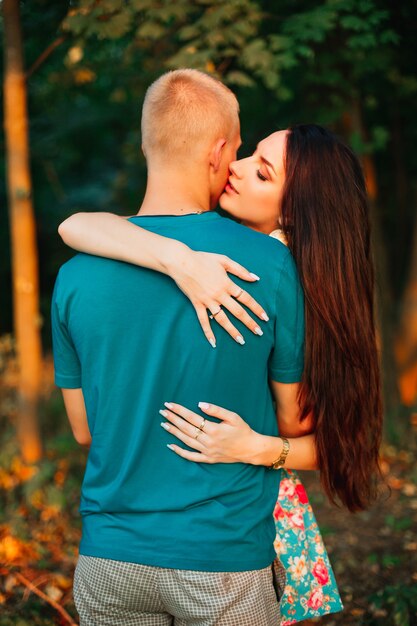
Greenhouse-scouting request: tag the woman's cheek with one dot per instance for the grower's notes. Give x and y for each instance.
(270, 203)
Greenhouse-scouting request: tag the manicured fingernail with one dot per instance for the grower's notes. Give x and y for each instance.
(170, 446)
(212, 342)
(166, 426)
(240, 340)
(254, 276)
(258, 331)
(203, 405)
(168, 405)
(265, 317)
(163, 413)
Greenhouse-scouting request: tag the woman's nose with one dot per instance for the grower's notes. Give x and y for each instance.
(234, 169)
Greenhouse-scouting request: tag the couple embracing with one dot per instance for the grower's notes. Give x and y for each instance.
(254, 378)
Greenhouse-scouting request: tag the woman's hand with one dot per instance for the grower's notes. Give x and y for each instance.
(203, 278)
(230, 441)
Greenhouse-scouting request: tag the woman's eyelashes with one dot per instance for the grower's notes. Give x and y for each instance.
(260, 175)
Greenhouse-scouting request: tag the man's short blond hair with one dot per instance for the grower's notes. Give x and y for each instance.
(183, 112)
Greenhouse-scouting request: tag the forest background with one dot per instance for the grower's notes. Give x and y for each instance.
(74, 77)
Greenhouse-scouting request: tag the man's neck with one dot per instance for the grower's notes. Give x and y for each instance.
(173, 194)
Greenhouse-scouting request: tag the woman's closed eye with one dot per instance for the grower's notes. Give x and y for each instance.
(260, 175)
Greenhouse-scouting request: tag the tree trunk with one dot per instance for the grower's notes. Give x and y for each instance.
(23, 237)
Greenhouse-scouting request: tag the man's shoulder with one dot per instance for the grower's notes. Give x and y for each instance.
(78, 269)
(266, 248)
(81, 260)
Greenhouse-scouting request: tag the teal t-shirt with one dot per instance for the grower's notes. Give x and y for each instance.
(131, 339)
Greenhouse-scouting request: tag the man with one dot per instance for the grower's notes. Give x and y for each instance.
(167, 541)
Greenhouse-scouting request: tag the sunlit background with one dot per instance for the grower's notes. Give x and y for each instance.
(74, 76)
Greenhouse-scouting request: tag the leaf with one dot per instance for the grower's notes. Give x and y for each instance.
(190, 31)
(10, 583)
(151, 30)
(53, 592)
(240, 78)
(353, 22)
(117, 26)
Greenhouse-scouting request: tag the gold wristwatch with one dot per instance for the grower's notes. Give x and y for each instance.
(280, 462)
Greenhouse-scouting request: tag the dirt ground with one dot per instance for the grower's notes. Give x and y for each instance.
(374, 552)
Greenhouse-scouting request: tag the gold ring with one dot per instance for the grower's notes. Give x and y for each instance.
(239, 294)
(201, 427)
(213, 315)
(198, 433)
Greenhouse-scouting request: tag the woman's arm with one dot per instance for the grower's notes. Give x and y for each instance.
(302, 454)
(114, 237)
(202, 276)
(232, 440)
(286, 397)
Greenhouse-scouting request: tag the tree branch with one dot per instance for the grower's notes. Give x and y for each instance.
(45, 54)
(66, 616)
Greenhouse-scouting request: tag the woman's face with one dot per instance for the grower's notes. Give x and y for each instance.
(253, 192)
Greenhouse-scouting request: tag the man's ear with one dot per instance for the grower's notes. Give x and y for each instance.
(217, 153)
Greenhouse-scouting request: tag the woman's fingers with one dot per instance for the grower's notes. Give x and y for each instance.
(189, 420)
(191, 441)
(223, 321)
(236, 292)
(179, 415)
(238, 270)
(197, 457)
(242, 296)
(210, 441)
(233, 304)
(205, 325)
(239, 312)
(218, 411)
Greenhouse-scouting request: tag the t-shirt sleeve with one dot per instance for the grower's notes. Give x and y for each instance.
(287, 358)
(66, 362)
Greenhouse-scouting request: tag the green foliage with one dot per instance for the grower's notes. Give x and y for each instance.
(398, 524)
(395, 605)
(348, 64)
(242, 35)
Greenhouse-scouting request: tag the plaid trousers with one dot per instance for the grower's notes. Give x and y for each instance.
(116, 593)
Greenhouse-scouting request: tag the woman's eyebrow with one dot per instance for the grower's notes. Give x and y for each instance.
(268, 164)
(265, 160)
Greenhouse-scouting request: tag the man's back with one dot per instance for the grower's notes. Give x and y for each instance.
(131, 339)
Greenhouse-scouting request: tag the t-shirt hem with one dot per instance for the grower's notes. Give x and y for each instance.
(177, 562)
(67, 382)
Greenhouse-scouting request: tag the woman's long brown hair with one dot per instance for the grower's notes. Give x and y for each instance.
(325, 217)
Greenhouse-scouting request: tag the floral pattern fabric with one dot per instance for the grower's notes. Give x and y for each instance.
(310, 588)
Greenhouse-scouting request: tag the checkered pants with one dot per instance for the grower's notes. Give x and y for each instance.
(116, 593)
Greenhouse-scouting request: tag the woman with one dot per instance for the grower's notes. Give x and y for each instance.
(310, 184)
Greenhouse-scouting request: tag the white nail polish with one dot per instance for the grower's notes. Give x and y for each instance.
(212, 342)
(170, 446)
(240, 340)
(258, 331)
(203, 405)
(163, 413)
(265, 317)
(166, 426)
(168, 405)
(254, 276)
